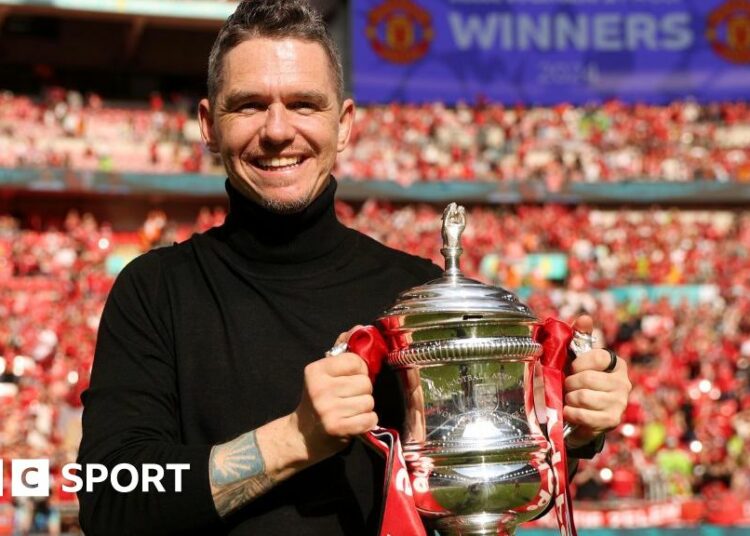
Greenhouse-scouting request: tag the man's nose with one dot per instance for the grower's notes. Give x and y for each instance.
(277, 129)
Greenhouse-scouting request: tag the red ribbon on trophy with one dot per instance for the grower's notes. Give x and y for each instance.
(399, 516)
(555, 337)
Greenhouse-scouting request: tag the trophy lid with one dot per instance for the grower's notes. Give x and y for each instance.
(454, 318)
(454, 297)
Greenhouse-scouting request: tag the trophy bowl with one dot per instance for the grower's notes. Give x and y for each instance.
(468, 367)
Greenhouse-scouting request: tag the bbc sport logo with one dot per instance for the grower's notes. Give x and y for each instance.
(31, 477)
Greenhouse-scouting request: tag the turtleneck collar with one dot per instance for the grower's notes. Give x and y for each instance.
(276, 243)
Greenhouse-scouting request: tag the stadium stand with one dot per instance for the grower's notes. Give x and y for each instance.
(686, 435)
(684, 141)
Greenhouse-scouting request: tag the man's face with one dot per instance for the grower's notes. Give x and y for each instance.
(277, 122)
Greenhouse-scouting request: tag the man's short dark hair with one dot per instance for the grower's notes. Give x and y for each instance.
(275, 19)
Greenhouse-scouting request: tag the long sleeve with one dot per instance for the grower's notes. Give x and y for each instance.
(131, 416)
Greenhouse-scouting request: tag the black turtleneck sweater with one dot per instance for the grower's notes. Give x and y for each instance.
(206, 340)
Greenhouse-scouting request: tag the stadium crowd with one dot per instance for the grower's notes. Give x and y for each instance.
(683, 141)
(686, 431)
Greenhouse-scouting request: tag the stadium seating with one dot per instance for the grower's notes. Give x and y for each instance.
(686, 432)
(684, 141)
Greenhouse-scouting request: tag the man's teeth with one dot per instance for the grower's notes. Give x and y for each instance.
(279, 162)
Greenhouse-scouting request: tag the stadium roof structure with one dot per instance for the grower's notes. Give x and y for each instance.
(121, 46)
(178, 9)
(202, 10)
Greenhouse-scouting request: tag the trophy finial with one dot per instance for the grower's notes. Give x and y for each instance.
(454, 223)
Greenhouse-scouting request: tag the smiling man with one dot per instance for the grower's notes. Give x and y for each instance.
(212, 352)
(277, 116)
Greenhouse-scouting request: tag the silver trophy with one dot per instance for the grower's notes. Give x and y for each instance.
(473, 437)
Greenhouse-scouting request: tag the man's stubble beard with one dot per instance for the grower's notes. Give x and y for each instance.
(272, 205)
(287, 207)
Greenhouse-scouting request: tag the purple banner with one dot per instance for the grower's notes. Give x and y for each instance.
(550, 51)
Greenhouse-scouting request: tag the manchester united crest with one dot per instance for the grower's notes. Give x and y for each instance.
(399, 31)
(729, 30)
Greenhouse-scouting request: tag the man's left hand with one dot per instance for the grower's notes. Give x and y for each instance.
(594, 400)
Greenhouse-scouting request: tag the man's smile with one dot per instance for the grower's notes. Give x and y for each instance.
(278, 163)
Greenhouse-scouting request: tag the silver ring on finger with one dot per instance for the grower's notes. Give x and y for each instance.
(582, 342)
(612, 360)
(338, 349)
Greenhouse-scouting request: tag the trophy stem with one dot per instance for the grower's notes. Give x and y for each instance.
(497, 531)
(477, 525)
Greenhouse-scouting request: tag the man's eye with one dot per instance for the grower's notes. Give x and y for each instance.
(251, 107)
(303, 106)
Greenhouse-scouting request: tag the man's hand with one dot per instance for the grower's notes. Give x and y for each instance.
(337, 403)
(594, 400)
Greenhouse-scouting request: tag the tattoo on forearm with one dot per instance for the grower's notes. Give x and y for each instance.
(237, 473)
(237, 460)
(234, 496)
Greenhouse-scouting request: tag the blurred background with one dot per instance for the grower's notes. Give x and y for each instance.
(602, 148)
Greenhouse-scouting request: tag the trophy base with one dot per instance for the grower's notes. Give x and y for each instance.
(477, 525)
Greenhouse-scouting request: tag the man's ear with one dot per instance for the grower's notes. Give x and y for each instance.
(206, 120)
(346, 120)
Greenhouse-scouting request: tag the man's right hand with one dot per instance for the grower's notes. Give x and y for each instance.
(336, 405)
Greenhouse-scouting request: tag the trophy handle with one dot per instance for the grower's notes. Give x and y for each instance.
(581, 343)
